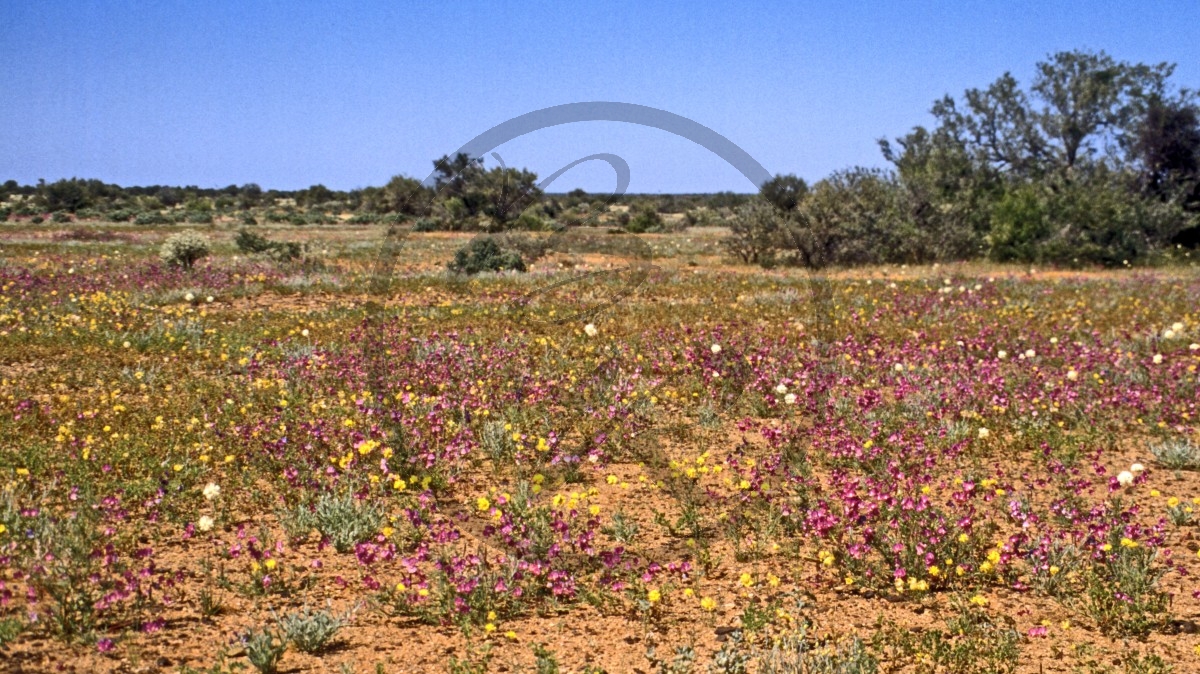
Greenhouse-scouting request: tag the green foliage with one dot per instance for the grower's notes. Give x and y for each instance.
(754, 233)
(264, 649)
(346, 521)
(853, 217)
(644, 218)
(1122, 593)
(310, 631)
(794, 653)
(971, 644)
(1019, 225)
(1177, 454)
(184, 249)
(544, 660)
(784, 192)
(121, 215)
(280, 251)
(151, 218)
(484, 254)
(10, 629)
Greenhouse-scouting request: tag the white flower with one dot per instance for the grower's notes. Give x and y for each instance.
(205, 523)
(1125, 478)
(1194, 347)
(1002, 354)
(898, 367)
(790, 399)
(189, 297)
(984, 433)
(1054, 340)
(591, 330)
(1177, 326)
(1137, 468)
(1072, 375)
(716, 348)
(781, 389)
(211, 491)
(1168, 334)
(209, 299)
(1157, 358)
(304, 332)
(1030, 353)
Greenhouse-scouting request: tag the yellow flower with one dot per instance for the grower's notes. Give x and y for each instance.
(963, 538)
(688, 592)
(3, 528)
(489, 628)
(1106, 547)
(594, 510)
(934, 571)
(979, 600)
(482, 504)
(993, 556)
(708, 603)
(1128, 543)
(510, 635)
(1155, 493)
(746, 580)
(270, 564)
(401, 587)
(654, 596)
(1172, 502)
(772, 580)
(1054, 570)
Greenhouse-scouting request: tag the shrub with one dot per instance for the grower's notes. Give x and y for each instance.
(264, 649)
(251, 243)
(363, 219)
(60, 217)
(310, 631)
(200, 218)
(346, 521)
(754, 233)
(644, 219)
(37, 219)
(280, 251)
(247, 218)
(151, 218)
(121, 215)
(1177, 455)
(425, 225)
(184, 249)
(484, 254)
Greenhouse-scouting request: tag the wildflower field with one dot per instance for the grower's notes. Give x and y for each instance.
(301, 467)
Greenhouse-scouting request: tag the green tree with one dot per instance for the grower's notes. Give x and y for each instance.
(784, 191)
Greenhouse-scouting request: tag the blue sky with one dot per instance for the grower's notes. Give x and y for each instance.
(288, 94)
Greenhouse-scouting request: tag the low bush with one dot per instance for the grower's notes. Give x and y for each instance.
(184, 249)
(484, 254)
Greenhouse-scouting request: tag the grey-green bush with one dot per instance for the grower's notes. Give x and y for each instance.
(184, 249)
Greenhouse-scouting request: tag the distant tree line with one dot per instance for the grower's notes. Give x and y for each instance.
(465, 196)
(1097, 162)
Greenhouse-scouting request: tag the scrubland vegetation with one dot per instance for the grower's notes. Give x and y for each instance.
(897, 421)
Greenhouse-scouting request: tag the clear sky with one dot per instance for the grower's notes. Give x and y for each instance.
(288, 94)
